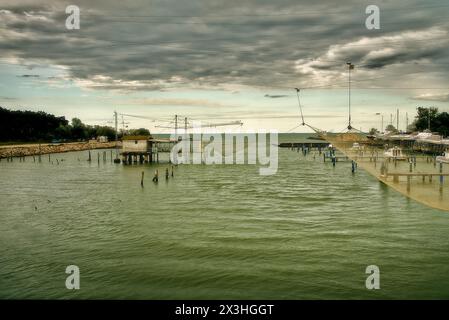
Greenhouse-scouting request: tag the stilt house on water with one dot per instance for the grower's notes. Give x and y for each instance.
(143, 149)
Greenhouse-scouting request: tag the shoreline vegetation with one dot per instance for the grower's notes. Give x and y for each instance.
(22, 150)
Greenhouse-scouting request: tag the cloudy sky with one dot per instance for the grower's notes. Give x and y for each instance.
(219, 60)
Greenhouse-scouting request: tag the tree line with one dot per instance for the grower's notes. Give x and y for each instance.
(426, 119)
(31, 126)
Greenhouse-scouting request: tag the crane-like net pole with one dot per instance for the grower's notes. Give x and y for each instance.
(300, 108)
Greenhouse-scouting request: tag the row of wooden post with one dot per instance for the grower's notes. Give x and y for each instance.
(156, 176)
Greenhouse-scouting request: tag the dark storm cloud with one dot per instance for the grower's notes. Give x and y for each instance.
(141, 45)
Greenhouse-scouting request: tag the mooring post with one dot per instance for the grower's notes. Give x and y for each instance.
(98, 158)
(90, 158)
(156, 178)
(166, 174)
(334, 160)
(141, 179)
(49, 158)
(172, 174)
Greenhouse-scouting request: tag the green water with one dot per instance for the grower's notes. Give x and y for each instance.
(219, 231)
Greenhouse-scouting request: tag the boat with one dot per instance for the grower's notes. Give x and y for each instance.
(355, 146)
(395, 153)
(444, 158)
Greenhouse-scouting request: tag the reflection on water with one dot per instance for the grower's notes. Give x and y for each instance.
(218, 231)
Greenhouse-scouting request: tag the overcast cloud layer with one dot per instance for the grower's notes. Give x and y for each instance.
(142, 46)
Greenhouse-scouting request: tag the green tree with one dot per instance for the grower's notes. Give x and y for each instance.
(424, 117)
(139, 132)
(391, 128)
(79, 131)
(373, 131)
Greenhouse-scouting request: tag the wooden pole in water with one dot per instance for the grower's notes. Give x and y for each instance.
(98, 158)
(90, 158)
(141, 179)
(156, 176)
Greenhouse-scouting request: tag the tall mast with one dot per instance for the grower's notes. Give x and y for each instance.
(176, 126)
(116, 134)
(397, 119)
(350, 67)
(406, 121)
